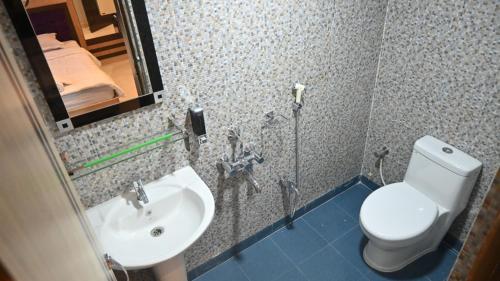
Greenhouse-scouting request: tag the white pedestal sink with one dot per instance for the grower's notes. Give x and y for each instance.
(156, 234)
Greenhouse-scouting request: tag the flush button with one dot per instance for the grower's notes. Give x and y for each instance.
(447, 150)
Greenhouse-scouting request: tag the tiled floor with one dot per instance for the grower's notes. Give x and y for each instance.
(324, 244)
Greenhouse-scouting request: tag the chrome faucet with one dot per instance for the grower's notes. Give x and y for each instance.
(241, 162)
(139, 190)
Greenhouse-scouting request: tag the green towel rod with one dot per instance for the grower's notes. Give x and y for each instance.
(127, 150)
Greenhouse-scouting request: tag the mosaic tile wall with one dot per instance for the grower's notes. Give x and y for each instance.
(239, 59)
(438, 76)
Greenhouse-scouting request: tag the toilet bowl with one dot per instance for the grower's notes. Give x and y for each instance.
(403, 221)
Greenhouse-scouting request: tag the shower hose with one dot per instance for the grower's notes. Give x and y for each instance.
(112, 262)
(125, 272)
(295, 188)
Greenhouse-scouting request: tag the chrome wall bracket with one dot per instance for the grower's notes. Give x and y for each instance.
(185, 134)
(271, 119)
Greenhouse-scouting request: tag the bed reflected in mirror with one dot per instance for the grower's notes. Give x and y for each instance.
(87, 53)
(94, 52)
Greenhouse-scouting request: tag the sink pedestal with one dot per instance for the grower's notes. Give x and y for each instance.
(173, 269)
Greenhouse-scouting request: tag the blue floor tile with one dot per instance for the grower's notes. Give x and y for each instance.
(293, 275)
(300, 242)
(327, 265)
(436, 265)
(303, 253)
(352, 199)
(227, 271)
(329, 221)
(264, 261)
(351, 247)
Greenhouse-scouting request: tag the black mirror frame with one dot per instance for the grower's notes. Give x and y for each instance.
(27, 36)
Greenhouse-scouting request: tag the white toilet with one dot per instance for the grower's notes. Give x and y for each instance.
(408, 219)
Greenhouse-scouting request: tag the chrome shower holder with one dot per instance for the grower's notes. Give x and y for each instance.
(293, 187)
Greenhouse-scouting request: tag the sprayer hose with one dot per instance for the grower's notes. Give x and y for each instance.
(380, 170)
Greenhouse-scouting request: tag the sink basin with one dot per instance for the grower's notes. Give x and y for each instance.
(155, 234)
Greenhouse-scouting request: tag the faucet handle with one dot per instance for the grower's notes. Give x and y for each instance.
(249, 147)
(259, 158)
(138, 185)
(234, 133)
(139, 190)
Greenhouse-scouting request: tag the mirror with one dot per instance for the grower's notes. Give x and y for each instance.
(93, 58)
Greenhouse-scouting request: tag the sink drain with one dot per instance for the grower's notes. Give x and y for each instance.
(157, 231)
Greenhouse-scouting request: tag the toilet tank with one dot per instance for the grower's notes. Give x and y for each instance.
(443, 173)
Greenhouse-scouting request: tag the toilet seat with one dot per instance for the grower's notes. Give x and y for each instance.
(397, 214)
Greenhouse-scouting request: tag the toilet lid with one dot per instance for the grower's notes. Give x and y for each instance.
(397, 212)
